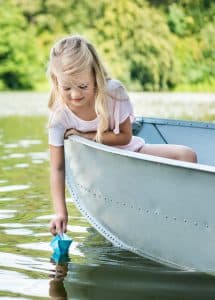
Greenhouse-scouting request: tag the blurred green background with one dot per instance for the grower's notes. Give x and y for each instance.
(149, 45)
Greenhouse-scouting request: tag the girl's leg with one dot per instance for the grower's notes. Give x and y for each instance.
(178, 152)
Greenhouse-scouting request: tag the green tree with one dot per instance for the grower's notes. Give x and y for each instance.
(148, 44)
(136, 42)
(19, 59)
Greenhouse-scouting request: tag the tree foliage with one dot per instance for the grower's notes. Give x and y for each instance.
(18, 51)
(141, 53)
(150, 45)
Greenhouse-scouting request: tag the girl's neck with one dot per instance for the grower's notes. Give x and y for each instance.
(85, 113)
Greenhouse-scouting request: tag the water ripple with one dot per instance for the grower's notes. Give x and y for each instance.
(7, 199)
(16, 155)
(5, 214)
(20, 225)
(23, 165)
(45, 246)
(16, 282)
(18, 231)
(28, 143)
(23, 262)
(11, 188)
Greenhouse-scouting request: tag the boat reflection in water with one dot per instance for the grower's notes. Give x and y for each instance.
(76, 281)
(112, 273)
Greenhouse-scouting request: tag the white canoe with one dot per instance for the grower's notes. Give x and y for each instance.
(159, 208)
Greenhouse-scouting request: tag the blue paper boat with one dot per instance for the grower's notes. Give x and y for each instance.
(60, 244)
(60, 258)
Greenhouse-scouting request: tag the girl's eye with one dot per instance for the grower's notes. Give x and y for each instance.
(83, 87)
(66, 89)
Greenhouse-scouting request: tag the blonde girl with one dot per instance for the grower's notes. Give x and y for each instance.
(85, 101)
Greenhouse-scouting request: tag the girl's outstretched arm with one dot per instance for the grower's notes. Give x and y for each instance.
(108, 137)
(57, 181)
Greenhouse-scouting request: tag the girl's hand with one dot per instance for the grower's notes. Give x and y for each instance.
(86, 135)
(58, 224)
(71, 131)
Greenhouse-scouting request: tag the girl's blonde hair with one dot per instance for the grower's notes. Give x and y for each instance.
(73, 55)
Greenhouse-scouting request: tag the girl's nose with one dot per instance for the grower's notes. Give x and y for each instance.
(75, 94)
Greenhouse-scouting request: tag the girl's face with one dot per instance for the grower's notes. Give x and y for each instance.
(79, 93)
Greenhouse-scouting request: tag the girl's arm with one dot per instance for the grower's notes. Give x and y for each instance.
(108, 137)
(57, 181)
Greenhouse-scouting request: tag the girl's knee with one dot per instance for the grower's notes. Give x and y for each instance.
(193, 156)
(187, 154)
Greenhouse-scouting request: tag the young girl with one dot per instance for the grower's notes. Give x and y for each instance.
(84, 101)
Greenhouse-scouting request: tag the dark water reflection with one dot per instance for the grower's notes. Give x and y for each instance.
(111, 273)
(96, 269)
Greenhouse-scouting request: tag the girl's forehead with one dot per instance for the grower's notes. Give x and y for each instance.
(84, 77)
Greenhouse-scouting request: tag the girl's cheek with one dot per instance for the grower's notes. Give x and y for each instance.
(65, 95)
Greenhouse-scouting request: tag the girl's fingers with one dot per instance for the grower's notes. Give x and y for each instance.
(64, 227)
(66, 134)
(59, 227)
(52, 228)
(70, 132)
(56, 227)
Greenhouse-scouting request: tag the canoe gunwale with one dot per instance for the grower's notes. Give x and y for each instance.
(141, 156)
(157, 121)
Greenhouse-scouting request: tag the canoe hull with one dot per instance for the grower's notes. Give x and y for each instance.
(151, 206)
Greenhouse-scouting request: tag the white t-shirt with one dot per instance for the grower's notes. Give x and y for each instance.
(119, 107)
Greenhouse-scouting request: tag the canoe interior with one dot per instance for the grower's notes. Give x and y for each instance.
(198, 135)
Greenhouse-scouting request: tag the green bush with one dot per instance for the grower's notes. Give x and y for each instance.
(197, 57)
(179, 23)
(136, 43)
(19, 59)
(148, 44)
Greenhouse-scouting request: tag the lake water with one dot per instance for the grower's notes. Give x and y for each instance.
(96, 269)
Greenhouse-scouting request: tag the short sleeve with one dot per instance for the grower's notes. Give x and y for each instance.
(56, 131)
(125, 111)
(56, 136)
(122, 110)
(116, 90)
(122, 107)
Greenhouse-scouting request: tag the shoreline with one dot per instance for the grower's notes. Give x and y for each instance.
(153, 104)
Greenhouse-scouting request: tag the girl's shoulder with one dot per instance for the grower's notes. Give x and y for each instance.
(116, 90)
(57, 115)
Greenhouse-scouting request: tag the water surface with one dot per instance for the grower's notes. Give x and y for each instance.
(96, 269)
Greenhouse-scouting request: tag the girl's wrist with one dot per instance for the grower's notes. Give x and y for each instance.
(61, 215)
(61, 211)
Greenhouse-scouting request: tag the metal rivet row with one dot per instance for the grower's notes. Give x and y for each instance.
(132, 207)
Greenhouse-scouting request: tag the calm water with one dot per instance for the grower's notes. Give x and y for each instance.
(96, 269)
